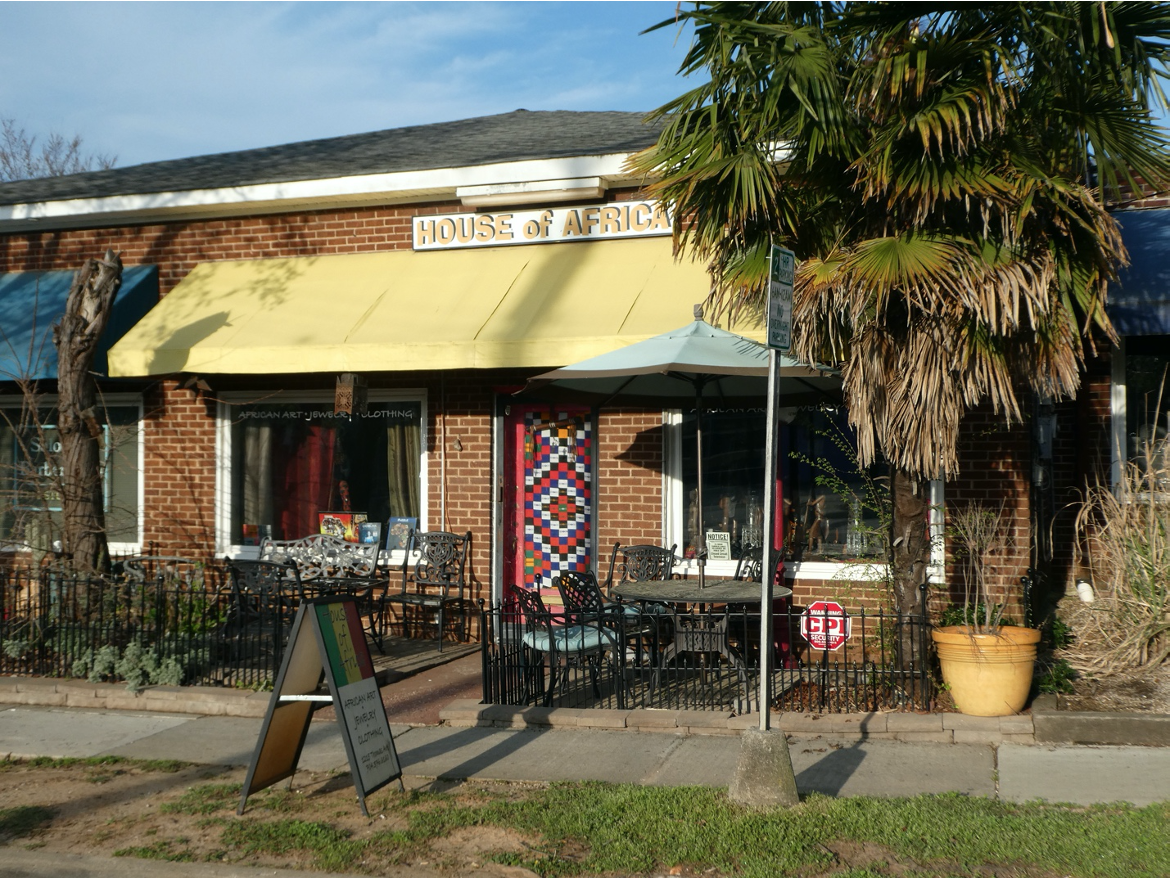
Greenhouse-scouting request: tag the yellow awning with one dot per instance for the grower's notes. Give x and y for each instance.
(521, 306)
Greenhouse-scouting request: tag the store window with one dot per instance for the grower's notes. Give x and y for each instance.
(32, 478)
(291, 461)
(831, 508)
(1147, 399)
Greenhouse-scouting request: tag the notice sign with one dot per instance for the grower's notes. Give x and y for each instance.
(619, 219)
(327, 645)
(781, 277)
(359, 703)
(718, 545)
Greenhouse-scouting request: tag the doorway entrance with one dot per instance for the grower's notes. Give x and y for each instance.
(548, 492)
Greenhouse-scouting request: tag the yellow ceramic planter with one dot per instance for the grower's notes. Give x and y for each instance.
(988, 674)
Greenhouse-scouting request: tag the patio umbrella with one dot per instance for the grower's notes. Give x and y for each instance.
(697, 360)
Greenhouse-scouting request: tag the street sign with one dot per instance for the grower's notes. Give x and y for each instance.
(781, 276)
(825, 625)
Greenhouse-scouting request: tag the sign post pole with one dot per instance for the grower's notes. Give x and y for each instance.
(781, 275)
(763, 773)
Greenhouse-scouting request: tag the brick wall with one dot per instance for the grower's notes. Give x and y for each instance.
(629, 502)
(176, 248)
(995, 463)
(1082, 457)
(460, 427)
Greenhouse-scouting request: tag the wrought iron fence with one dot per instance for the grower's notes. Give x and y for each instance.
(155, 626)
(652, 657)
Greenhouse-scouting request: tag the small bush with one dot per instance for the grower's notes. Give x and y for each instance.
(136, 665)
(1056, 678)
(1127, 535)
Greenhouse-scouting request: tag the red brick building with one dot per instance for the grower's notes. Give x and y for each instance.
(444, 265)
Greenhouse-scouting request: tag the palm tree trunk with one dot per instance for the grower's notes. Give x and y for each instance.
(87, 312)
(909, 556)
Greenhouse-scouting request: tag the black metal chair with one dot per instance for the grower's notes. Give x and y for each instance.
(435, 580)
(751, 569)
(264, 593)
(751, 565)
(592, 627)
(639, 563)
(328, 565)
(561, 645)
(647, 624)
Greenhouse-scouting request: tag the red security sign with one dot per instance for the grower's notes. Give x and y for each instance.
(825, 625)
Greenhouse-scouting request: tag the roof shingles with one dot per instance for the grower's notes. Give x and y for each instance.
(521, 135)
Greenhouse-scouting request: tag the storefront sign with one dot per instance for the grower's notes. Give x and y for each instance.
(619, 219)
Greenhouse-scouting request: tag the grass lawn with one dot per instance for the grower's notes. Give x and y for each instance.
(595, 829)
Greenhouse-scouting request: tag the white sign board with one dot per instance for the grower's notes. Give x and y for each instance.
(781, 276)
(619, 219)
(365, 720)
(718, 545)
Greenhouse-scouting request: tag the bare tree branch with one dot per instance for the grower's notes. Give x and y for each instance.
(22, 159)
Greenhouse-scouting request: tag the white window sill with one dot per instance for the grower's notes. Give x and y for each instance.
(862, 571)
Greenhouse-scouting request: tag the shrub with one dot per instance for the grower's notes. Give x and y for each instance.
(1125, 536)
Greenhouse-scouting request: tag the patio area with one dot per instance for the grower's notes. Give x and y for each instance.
(708, 660)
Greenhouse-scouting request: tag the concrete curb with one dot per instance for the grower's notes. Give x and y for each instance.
(200, 700)
(1044, 725)
(940, 728)
(1053, 726)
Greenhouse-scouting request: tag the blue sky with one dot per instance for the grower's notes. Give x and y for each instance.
(150, 81)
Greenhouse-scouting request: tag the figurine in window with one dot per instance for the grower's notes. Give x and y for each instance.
(791, 527)
(692, 527)
(730, 524)
(819, 528)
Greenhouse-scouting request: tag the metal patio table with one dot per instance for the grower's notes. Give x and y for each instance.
(688, 591)
(703, 633)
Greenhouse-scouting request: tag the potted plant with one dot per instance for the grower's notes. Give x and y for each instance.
(986, 662)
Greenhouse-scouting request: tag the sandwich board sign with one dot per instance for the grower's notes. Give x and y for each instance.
(327, 644)
(781, 277)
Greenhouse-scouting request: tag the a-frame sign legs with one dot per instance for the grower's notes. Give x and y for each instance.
(327, 643)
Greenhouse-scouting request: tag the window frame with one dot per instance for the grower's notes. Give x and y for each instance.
(673, 516)
(1119, 412)
(223, 469)
(107, 401)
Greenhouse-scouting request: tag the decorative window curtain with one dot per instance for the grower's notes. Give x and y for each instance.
(257, 497)
(402, 456)
(303, 465)
(291, 461)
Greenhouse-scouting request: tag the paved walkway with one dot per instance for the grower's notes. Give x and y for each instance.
(441, 731)
(824, 763)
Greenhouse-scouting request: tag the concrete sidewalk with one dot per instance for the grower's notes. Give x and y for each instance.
(823, 763)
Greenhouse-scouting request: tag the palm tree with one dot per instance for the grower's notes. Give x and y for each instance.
(941, 172)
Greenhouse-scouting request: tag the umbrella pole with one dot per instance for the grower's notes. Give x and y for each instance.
(701, 536)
